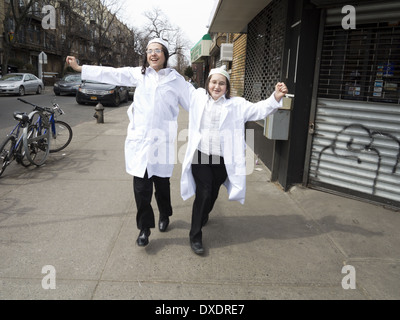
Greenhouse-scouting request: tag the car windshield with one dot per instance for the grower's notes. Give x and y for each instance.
(72, 78)
(12, 77)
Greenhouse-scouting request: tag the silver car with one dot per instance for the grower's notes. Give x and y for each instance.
(20, 83)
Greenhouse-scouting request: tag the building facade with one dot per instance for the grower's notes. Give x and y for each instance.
(86, 29)
(341, 63)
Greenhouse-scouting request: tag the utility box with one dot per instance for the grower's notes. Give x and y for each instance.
(277, 125)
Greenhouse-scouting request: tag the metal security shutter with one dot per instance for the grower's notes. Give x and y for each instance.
(361, 64)
(265, 43)
(356, 149)
(356, 142)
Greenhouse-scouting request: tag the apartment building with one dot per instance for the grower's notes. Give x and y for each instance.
(86, 29)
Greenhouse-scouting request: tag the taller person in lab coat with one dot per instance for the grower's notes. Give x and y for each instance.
(215, 153)
(152, 130)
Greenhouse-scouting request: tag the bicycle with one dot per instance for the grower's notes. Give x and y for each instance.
(12, 146)
(45, 134)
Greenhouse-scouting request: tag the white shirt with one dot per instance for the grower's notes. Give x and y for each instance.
(158, 76)
(210, 142)
(152, 129)
(235, 112)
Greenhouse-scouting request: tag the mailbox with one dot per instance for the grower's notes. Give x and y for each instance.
(277, 125)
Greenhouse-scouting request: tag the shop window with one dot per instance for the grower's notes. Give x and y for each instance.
(361, 64)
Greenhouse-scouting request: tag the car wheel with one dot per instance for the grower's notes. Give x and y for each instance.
(117, 100)
(57, 93)
(39, 90)
(21, 91)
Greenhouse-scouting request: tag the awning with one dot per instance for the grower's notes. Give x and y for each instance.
(201, 49)
(234, 15)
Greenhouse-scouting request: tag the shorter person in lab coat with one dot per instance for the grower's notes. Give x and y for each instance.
(152, 130)
(215, 153)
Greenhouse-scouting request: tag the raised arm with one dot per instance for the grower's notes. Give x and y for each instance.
(125, 76)
(71, 61)
(280, 91)
(262, 109)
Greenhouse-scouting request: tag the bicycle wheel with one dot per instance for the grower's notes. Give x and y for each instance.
(6, 152)
(20, 156)
(61, 136)
(36, 138)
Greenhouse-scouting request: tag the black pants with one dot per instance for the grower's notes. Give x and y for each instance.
(143, 191)
(209, 174)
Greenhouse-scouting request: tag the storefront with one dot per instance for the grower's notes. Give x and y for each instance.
(344, 132)
(199, 55)
(354, 140)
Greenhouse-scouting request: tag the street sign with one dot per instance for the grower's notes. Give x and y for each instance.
(42, 58)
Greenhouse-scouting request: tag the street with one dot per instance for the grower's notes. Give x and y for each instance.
(74, 113)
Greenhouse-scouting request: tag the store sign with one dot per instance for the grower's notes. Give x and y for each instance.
(201, 49)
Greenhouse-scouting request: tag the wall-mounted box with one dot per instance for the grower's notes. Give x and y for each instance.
(277, 125)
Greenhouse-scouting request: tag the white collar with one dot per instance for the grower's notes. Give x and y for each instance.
(220, 99)
(162, 72)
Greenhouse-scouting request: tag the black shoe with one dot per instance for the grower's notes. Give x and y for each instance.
(163, 224)
(143, 239)
(197, 247)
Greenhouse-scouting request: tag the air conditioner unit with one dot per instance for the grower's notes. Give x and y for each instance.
(226, 51)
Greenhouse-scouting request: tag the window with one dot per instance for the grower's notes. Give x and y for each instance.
(62, 18)
(361, 64)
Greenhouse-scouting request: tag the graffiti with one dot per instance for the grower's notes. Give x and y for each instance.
(349, 146)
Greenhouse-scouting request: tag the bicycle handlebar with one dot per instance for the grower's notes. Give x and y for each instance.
(27, 102)
(36, 107)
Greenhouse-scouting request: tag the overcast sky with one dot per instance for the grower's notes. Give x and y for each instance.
(192, 16)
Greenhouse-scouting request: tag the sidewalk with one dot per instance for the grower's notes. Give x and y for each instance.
(77, 214)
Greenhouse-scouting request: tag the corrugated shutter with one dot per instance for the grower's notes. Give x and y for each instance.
(357, 147)
(356, 142)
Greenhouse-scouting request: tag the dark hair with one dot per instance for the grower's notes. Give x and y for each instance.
(146, 64)
(228, 87)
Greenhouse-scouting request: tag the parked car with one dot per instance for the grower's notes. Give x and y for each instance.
(69, 84)
(20, 83)
(107, 94)
(131, 91)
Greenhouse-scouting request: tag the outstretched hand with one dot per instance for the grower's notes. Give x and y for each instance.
(280, 91)
(72, 62)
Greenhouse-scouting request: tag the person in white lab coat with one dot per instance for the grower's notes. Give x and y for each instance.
(152, 130)
(215, 153)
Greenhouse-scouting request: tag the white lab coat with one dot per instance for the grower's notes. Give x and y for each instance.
(152, 129)
(235, 113)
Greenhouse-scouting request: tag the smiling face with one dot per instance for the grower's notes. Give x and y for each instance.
(217, 86)
(155, 60)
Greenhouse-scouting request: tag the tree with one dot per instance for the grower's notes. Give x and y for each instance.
(103, 18)
(159, 27)
(189, 72)
(15, 16)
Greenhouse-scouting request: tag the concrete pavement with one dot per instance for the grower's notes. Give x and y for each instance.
(76, 214)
